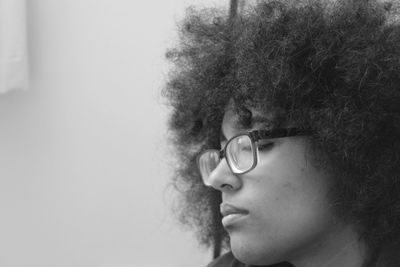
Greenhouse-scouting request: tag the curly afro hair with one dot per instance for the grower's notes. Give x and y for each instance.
(332, 67)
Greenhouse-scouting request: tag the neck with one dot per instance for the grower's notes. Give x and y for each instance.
(340, 248)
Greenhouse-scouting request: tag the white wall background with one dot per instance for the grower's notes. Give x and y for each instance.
(83, 160)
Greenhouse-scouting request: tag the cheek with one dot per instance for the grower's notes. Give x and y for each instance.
(288, 178)
(289, 206)
(288, 215)
(290, 193)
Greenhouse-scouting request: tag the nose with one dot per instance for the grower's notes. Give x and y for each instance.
(223, 179)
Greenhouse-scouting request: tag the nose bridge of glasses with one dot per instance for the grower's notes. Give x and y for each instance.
(222, 153)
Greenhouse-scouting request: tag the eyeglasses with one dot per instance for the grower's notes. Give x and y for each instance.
(241, 151)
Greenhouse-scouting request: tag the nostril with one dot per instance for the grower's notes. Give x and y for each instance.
(226, 186)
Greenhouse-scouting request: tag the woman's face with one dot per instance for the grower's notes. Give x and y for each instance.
(285, 212)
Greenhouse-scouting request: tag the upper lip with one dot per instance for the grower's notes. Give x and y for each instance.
(227, 209)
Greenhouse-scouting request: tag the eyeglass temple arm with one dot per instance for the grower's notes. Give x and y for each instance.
(277, 133)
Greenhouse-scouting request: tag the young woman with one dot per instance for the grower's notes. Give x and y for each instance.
(286, 117)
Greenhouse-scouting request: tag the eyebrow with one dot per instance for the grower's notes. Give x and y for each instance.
(261, 119)
(264, 121)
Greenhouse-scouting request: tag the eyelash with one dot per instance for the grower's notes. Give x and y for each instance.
(262, 147)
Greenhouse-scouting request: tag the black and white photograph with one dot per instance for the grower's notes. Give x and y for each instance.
(200, 133)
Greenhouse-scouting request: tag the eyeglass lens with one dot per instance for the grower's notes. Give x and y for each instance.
(239, 155)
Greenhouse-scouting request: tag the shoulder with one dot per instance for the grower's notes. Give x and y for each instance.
(226, 260)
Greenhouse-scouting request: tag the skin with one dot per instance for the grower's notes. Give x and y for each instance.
(290, 217)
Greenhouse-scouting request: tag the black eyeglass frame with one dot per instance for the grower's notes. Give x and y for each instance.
(255, 136)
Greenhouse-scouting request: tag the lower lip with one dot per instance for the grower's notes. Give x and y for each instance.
(232, 219)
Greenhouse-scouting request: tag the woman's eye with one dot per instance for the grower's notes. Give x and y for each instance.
(265, 146)
(246, 148)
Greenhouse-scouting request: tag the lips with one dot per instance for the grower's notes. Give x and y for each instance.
(231, 214)
(228, 209)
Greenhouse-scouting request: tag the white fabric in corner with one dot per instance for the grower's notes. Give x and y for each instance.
(13, 46)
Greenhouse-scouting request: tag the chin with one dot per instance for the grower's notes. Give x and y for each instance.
(252, 254)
